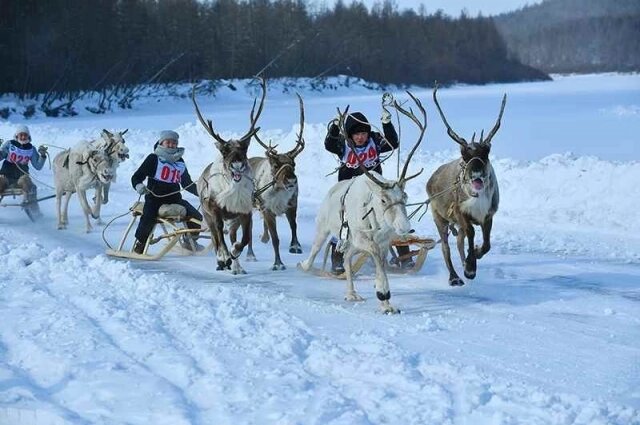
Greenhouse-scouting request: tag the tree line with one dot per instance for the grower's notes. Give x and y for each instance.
(57, 46)
(575, 35)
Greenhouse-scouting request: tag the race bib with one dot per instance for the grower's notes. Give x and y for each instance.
(19, 156)
(367, 155)
(169, 172)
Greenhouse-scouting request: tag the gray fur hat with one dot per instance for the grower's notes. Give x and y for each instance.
(22, 129)
(168, 134)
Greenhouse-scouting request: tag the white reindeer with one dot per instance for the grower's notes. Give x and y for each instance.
(114, 145)
(366, 212)
(77, 172)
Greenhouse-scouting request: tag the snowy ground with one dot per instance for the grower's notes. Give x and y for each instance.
(548, 333)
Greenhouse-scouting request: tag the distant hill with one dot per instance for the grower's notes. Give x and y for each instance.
(575, 35)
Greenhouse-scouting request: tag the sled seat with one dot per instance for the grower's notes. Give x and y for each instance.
(173, 212)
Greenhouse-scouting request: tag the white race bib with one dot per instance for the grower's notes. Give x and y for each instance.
(19, 156)
(368, 155)
(169, 172)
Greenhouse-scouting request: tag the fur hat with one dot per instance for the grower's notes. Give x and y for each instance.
(168, 134)
(356, 123)
(22, 129)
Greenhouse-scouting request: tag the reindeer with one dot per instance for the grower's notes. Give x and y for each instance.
(464, 192)
(277, 193)
(114, 146)
(366, 212)
(226, 188)
(77, 172)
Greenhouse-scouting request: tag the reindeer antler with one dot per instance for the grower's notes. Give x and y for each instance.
(495, 128)
(366, 172)
(271, 150)
(254, 118)
(450, 131)
(208, 125)
(422, 125)
(300, 140)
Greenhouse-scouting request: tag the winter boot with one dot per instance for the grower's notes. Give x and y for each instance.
(337, 260)
(405, 263)
(138, 247)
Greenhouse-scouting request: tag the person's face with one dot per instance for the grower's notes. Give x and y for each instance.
(169, 143)
(360, 138)
(22, 138)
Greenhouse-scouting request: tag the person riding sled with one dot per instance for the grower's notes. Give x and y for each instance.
(17, 154)
(165, 172)
(368, 147)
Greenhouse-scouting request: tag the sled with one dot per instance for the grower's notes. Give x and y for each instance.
(173, 222)
(13, 193)
(418, 249)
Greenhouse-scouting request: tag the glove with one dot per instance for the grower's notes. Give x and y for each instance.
(42, 150)
(386, 116)
(334, 130)
(141, 188)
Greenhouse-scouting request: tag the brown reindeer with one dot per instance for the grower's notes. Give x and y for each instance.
(277, 193)
(226, 188)
(465, 193)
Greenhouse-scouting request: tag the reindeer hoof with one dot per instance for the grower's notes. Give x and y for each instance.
(264, 239)
(295, 250)
(278, 267)
(387, 308)
(353, 296)
(470, 274)
(62, 226)
(251, 258)
(456, 281)
(224, 265)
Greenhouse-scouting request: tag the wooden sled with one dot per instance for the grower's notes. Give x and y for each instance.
(172, 219)
(418, 250)
(13, 193)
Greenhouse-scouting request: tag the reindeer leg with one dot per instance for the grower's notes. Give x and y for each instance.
(236, 268)
(318, 242)
(351, 294)
(59, 194)
(470, 264)
(291, 213)
(95, 212)
(105, 193)
(443, 230)
(216, 226)
(251, 256)
(270, 220)
(65, 208)
(486, 238)
(460, 243)
(86, 209)
(265, 231)
(382, 282)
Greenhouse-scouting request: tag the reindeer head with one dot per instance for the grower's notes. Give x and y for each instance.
(234, 152)
(100, 164)
(283, 165)
(389, 202)
(475, 155)
(115, 144)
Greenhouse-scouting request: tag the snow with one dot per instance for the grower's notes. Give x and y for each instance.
(548, 332)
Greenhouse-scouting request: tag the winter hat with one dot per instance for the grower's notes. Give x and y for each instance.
(22, 129)
(168, 134)
(356, 123)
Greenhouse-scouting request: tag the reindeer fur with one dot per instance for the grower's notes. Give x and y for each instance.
(78, 171)
(351, 200)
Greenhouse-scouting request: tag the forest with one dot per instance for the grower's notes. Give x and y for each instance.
(57, 46)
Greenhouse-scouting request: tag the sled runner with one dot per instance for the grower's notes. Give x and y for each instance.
(173, 222)
(418, 250)
(13, 193)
